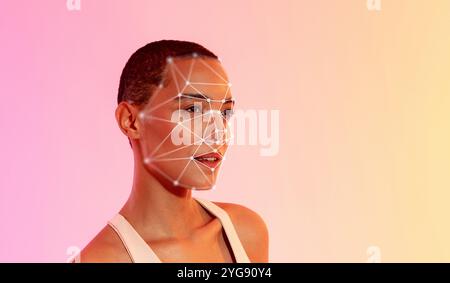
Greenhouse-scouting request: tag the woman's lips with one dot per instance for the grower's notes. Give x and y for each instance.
(211, 159)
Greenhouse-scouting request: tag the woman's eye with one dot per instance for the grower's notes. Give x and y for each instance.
(227, 113)
(194, 109)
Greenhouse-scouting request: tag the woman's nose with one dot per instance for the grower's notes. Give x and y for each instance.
(216, 129)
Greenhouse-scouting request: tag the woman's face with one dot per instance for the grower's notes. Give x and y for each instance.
(184, 124)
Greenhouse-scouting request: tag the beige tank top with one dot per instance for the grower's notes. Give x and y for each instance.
(140, 251)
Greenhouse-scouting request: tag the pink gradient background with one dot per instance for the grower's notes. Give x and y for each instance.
(364, 100)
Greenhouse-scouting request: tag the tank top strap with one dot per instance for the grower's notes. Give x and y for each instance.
(141, 252)
(136, 247)
(236, 245)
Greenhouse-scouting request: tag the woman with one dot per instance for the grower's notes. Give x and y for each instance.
(174, 101)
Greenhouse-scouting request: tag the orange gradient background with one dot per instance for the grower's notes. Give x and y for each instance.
(364, 101)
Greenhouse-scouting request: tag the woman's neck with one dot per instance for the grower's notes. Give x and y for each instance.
(161, 212)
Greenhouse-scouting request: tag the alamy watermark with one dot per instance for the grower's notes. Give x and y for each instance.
(373, 5)
(374, 254)
(241, 127)
(73, 5)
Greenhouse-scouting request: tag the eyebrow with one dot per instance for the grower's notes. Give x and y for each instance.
(204, 97)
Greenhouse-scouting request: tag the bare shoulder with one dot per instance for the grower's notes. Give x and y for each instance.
(251, 229)
(106, 246)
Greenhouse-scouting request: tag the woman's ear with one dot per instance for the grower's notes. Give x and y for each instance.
(127, 119)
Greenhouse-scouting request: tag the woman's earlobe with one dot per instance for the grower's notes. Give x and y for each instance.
(126, 118)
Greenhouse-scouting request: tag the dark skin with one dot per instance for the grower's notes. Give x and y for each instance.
(172, 223)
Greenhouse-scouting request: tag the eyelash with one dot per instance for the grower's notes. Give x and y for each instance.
(191, 107)
(224, 112)
(230, 113)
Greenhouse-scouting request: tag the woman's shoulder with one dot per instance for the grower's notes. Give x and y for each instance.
(106, 246)
(251, 229)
